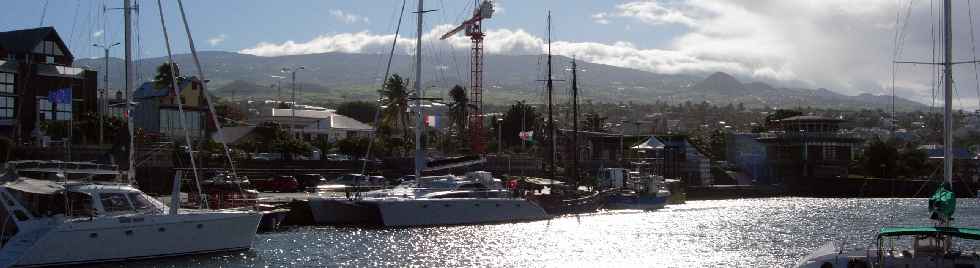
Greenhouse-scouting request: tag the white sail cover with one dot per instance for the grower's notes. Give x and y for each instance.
(35, 186)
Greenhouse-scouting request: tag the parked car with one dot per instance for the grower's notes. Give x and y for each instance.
(308, 181)
(277, 184)
(351, 180)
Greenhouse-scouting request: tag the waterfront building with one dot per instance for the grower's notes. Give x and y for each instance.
(33, 64)
(156, 112)
(808, 148)
(315, 123)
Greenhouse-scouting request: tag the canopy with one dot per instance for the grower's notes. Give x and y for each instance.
(961, 232)
(35, 186)
(942, 204)
(651, 143)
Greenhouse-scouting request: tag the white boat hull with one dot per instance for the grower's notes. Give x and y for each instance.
(453, 211)
(105, 239)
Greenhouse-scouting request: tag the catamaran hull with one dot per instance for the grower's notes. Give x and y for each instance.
(140, 237)
(455, 211)
(640, 202)
(343, 212)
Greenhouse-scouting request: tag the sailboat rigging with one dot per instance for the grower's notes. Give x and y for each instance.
(932, 245)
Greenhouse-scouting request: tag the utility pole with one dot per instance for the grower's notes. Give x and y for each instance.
(574, 146)
(419, 160)
(551, 120)
(104, 93)
(128, 20)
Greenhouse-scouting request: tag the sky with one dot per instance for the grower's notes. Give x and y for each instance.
(843, 45)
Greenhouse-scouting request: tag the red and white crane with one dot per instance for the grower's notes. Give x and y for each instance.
(474, 29)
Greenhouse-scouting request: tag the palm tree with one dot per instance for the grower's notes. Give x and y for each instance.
(394, 100)
(164, 76)
(458, 110)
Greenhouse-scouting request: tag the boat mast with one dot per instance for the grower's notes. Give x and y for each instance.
(419, 156)
(551, 120)
(574, 146)
(948, 94)
(128, 21)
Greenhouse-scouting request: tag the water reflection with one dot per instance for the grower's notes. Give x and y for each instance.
(732, 233)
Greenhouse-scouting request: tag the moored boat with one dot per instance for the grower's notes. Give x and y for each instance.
(48, 222)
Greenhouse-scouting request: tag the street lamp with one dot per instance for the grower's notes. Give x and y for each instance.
(500, 136)
(292, 72)
(104, 92)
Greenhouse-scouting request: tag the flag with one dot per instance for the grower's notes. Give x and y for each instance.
(432, 121)
(62, 96)
(526, 135)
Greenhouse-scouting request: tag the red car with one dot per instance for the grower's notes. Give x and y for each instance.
(277, 184)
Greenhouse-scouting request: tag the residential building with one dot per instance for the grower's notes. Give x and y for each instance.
(156, 112)
(808, 148)
(34, 63)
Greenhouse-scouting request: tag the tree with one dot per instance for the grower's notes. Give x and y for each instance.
(458, 109)
(359, 110)
(520, 114)
(880, 158)
(164, 77)
(229, 114)
(395, 115)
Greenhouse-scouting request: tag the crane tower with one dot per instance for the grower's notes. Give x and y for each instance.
(473, 28)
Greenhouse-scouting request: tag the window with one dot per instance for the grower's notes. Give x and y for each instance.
(140, 201)
(6, 83)
(63, 111)
(48, 48)
(45, 109)
(49, 111)
(115, 202)
(8, 101)
(7, 107)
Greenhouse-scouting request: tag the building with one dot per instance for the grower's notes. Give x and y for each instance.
(34, 63)
(748, 155)
(156, 112)
(315, 124)
(808, 148)
(674, 157)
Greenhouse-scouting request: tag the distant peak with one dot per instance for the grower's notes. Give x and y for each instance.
(720, 82)
(720, 75)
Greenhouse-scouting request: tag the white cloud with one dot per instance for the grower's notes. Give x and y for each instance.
(348, 18)
(842, 45)
(651, 12)
(217, 40)
(98, 33)
(601, 18)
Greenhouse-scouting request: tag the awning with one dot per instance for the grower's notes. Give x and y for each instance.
(60, 71)
(650, 143)
(8, 66)
(961, 232)
(35, 186)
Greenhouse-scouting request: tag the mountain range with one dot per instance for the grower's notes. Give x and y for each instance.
(337, 77)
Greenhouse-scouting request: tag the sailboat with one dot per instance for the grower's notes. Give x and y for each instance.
(568, 201)
(931, 246)
(475, 198)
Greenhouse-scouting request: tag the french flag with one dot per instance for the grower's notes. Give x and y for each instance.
(433, 121)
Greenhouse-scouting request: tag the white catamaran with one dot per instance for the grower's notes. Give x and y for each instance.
(58, 213)
(433, 200)
(930, 246)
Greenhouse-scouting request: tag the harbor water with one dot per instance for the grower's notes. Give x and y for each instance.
(767, 232)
